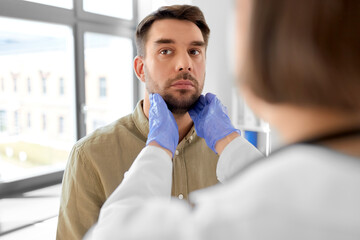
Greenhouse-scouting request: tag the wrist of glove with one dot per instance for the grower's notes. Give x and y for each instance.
(211, 120)
(162, 125)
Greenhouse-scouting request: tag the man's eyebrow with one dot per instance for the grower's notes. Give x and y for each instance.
(198, 43)
(164, 41)
(171, 41)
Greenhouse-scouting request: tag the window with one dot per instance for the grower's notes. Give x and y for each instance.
(61, 125)
(3, 122)
(43, 80)
(97, 123)
(29, 85)
(61, 86)
(46, 47)
(14, 78)
(102, 87)
(44, 122)
(112, 8)
(103, 95)
(26, 47)
(63, 3)
(29, 120)
(43, 77)
(2, 84)
(16, 122)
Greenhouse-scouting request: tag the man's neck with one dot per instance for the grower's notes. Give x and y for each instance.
(183, 121)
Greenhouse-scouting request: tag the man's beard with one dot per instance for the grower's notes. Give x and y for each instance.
(180, 106)
(176, 106)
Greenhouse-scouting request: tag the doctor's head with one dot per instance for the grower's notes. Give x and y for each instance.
(171, 52)
(304, 54)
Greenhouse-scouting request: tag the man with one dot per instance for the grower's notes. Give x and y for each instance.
(171, 44)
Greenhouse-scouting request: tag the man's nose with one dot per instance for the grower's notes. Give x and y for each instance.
(184, 63)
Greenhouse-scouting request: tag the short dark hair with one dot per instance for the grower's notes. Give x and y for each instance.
(179, 12)
(305, 52)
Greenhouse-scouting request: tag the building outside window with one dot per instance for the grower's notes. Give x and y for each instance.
(44, 79)
(106, 82)
(44, 122)
(29, 120)
(40, 62)
(61, 125)
(2, 84)
(15, 81)
(102, 87)
(97, 123)
(61, 86)
(25, 47)
(44, 87)
(29, 85)
(16, 122)
(3, 123)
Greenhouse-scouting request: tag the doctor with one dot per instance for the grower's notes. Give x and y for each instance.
(299, 70)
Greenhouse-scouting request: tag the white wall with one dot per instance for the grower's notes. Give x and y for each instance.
(220, 78)
(220, 54)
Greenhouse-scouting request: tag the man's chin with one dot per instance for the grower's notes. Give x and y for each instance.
(180, 107)
(179, 111)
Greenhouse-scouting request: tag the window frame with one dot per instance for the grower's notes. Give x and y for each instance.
(80, 22)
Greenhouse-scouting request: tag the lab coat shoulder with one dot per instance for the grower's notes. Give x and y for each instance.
(299, 169)
(304, 190)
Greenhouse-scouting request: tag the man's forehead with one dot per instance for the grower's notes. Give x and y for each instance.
(172, 31)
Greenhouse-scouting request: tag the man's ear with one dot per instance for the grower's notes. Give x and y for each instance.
(139, 68)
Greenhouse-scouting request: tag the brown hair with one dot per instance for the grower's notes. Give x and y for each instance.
(180, 12)
(305, 52)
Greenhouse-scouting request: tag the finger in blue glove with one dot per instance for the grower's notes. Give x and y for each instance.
(162, 125)
(211, 120)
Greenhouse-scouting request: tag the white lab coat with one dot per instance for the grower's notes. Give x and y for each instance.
(301, 192)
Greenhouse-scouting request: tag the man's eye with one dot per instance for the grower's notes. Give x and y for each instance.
(194, 52)
(165, 52)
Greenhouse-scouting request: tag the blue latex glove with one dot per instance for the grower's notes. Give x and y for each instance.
(211, 120)
(162, 125)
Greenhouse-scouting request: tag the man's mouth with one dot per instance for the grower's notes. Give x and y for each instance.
(183, 84)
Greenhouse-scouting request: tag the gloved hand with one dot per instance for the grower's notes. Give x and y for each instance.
(162, 125)
(211, 120)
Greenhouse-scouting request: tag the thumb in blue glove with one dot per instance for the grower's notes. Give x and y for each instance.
(211, 120)
(162, 125)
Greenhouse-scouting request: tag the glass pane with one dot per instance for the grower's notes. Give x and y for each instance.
(108, 79)
(37, 116)
(113, 8)
(57, 3)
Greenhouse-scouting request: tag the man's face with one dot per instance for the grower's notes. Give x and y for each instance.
(174, 63)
